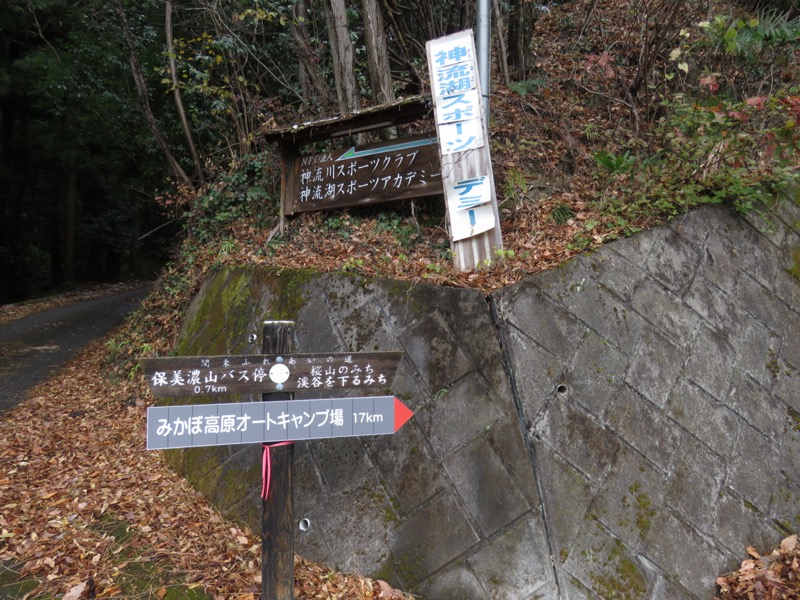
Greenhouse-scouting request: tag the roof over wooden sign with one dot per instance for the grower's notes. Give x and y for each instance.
(401, 112)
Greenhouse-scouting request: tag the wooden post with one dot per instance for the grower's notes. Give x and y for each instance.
(475, 234)
(277, 527)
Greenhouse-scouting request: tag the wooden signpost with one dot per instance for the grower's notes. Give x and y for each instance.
(347, 176)
(275, 422)
(397, 170)
(290, 372)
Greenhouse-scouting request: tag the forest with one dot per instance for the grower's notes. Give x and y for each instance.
(120, 119)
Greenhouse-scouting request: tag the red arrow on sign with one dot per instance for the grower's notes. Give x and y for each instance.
(401, 414)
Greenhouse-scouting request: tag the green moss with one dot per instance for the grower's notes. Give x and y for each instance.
(289, 293)
(620, 579)
(386, 572)
(224, 312)
(642, 505)
(234, 484)
(750, 506)
(439, 395)
(410, 566)
(773, 366)
(794, 418)
(794, 270)
(644, 512)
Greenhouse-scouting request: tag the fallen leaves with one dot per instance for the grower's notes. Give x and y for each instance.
(772, 577)
(84, 505)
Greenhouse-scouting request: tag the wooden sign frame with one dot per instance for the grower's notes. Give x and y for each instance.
(291, 140)
(399, 169)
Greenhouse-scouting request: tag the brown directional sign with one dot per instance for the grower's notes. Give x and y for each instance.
(211, 375)
(400, 169)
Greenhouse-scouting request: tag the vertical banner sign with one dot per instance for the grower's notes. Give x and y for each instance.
(464, 145)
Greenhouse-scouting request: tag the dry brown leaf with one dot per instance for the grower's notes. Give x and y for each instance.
(75, 592)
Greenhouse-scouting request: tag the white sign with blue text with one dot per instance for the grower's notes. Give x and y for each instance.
(466, 175)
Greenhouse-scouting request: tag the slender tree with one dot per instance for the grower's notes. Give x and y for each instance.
(311, 82)
(342, 55)
(176, 91)
(521, 22)
(144, 97)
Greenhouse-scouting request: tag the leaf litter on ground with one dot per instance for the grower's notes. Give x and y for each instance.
(82, 503)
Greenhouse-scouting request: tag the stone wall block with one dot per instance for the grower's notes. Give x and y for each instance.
(627, 499)
(598, 371)
(665, 311)
(549, 325)
(695, 483)
(706, 365)
(717, 428)
(672, 262)
(644, 426)
(486, 489)
(716, 307)
(655, 365)
(581, 440)
(503, 563)
(408, 466)
(535, 371)
(619, 275)
(604, 564)
(458, 414)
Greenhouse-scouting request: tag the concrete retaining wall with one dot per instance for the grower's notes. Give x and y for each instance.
(619, 427)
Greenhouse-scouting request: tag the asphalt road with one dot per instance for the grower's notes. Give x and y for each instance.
(34, 347)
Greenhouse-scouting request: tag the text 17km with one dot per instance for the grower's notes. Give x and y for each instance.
(362, 417)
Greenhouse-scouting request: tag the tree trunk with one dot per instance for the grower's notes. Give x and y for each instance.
(520, 30)
(311, 82)
(380, 75)
(501, 42)
(69, 223)
(143, 93)
(404, 47)
(176, 90)
(342, 54)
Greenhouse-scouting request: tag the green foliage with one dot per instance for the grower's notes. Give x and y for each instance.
(613, 163)
(239, 196)
(403, 230)
(338, 224)
(742, 153)
(515, 187)
(352, 265)
(727, 131)
(529, 86)
(562, 213)
(752, 37)
(69, 109)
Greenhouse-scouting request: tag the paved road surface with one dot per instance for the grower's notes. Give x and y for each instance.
(33, 347)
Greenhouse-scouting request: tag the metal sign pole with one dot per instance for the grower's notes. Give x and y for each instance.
(277, 530)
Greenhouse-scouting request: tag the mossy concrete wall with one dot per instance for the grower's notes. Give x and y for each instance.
(620, 427)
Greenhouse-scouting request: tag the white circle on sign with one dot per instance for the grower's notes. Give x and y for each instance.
(279, 373)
